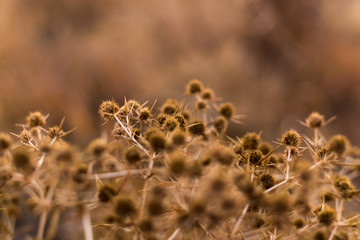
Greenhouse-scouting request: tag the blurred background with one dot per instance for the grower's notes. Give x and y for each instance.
(276, 60)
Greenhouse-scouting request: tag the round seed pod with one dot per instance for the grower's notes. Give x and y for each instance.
(315, 120)
(338, 144)
(108, 109)
(197, 128)
(265, 148)
(35, 119)
(267, 181)
(207, 94)
(97, 147)
(146, 225)
(194, 86)
(220, 124)
(291, 138)
(106, 193)
(157, 141)
(132, 155)
(250, 141)
(201, 105)
(124, 206)
(177, 164)
(255, 157)
(155, 207)
(22, 160)
(299, 222)
(227, 110)
(222, 154)
(145, 114)
(171, 123)
(5, 141)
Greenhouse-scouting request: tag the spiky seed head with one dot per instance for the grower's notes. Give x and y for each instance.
(320, 235)
(22, 160)
(197, 207)
(178, 137)
(180, 118)
(327, 215)
(187, 114)
(170, 123)
(80, 174)
(344, 186)
(217, 185)
(265, 147)
(227, 110)
(5, 141)
(255, 157)
(146, 225)
(170, 106)
(267, 181)
(97, 147)
(35, 119)
(107, 109)
(315, 120)
(291, 138)
(132, 155)
(25, 135)
(207, 94)
(201, 105)
(222, 154)
(299, 222)
(177, 163)
(124, 206)
(338, 144)
(220, 124)
(197, 128)
(157, 140)
(155, 207)
(132, 105)
(194, 86)
(55, 132)
(323, 152)
(250, 141)
(145, 114)
(106, 193)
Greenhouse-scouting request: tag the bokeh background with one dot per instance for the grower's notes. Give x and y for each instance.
(277, 60)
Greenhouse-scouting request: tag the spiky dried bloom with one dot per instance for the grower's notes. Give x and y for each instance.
(315, 120)
(154, 181)
(5, 141)
(345, 187)
(338, 144)
(220, 124)
(250, 141)
(107, 109)
(196, 128)
(291, 138)
(194, 86)
(207, 94)
(326, 215)
(35, 119)
(227, 110)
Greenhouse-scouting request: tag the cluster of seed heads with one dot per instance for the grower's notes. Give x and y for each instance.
(174, 172)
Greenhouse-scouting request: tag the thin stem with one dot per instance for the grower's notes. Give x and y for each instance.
(176, 232)
(86, 221)
(41, 226)
(238, 221)
(117, 174)
(131, 137)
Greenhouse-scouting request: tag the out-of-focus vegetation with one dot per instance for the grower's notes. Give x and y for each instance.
(276, 60)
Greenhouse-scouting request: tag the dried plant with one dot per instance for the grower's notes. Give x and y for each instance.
(173, 173)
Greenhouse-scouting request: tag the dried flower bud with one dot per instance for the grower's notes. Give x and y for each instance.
(124, 206)
(170, 123)
(97, 147)
(106, 193)
(207, 94)
(108, 109)
(220, 124)
(35, 119)
(227, 110)
(255, 157)
(327, 215)
(201, 105)
(338, 144)
(5, 141)
(145, 114)
(132, 155)
(267, 181)
(22, 160)
(315, 120)
(197, 128)
(344, 186)
(291, 138)
(250, 141)
(194, 86)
